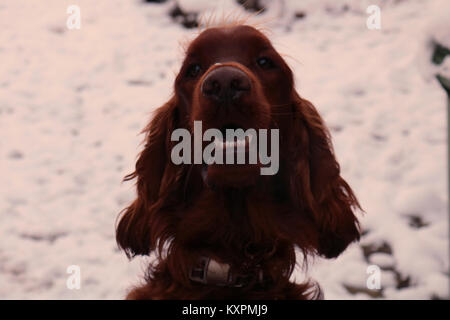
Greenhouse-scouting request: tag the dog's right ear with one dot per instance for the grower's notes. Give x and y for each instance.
(140, 226)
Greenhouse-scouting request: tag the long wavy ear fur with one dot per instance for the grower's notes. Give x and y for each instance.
(140, 225)
(315, 182)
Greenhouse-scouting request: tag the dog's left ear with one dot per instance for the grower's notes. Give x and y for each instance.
(315, 182)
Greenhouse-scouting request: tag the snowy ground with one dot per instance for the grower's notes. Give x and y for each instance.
(72, 103)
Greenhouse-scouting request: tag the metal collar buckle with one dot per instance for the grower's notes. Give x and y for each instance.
(211, 272)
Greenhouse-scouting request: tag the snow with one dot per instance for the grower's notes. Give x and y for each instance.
(382, 260)
(74, 101)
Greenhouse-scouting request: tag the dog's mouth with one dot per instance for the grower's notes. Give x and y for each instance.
(236, 152)
(233, 139)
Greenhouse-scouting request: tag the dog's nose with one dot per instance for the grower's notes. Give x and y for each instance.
(225, 84)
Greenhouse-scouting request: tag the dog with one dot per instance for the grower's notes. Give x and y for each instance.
(225, 231)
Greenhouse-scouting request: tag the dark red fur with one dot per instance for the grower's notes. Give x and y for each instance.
(306, 205)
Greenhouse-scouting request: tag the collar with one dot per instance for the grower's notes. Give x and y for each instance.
(212, 272)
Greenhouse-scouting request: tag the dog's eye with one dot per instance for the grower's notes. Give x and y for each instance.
(265, 63)
(193, 70)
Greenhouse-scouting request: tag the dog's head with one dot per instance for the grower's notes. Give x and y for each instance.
(231, 78)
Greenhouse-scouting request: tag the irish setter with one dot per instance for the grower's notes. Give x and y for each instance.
(226, 231)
